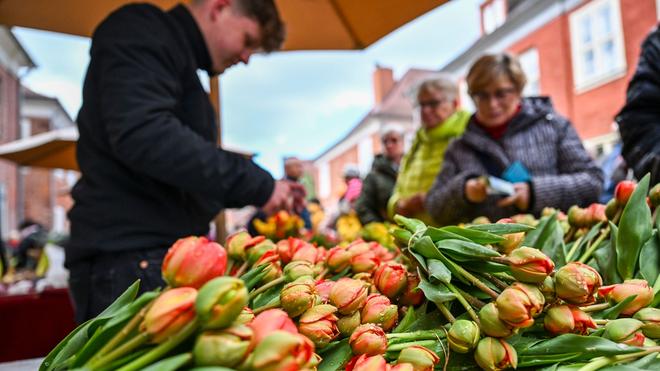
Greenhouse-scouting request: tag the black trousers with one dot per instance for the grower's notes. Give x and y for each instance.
(96, 282)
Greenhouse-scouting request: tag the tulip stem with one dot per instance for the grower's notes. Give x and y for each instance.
(600, 362)
(601, 321)
(402, 346)
(121, 335)
(464, 303)
(573, 249)
(500, 259)
(275, 304)
(471, 299)
(594, 245)
(569, 234)
(417, 335)
(445, 312)
(267, 286)
(496, 281)
(230, 265)
(122, 350)
(595, 307)
(241, 269)
(469, 277)
(162, 348)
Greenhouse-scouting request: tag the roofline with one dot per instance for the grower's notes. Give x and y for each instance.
(40, 97)
(30, 62)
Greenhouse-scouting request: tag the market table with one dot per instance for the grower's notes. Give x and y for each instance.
(33, 324)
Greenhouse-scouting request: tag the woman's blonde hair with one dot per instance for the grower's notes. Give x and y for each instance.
(490, 67)
(442, 84)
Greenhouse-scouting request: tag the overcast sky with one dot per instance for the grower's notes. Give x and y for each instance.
(289, 103)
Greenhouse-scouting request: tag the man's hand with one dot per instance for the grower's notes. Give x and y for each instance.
(476, 190)
(411, 205)
(520, 198)
(280, 199)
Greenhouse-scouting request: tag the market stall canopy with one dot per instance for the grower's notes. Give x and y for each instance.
(311, 24)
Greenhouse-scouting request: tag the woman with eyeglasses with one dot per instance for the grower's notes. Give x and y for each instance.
(520, 140)
(442, 121)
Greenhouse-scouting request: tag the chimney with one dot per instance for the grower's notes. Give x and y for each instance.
(383, 83)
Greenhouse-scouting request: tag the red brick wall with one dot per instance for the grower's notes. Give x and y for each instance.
(337, 185)
(38, 206)
(8, 132)
(592, 111)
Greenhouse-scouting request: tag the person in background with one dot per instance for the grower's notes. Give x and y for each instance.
(33, 239)
(521, 140)
(293, 172)
(442, 122)
(377, 187)
(353, 189)
(151, 169)
(639, 119)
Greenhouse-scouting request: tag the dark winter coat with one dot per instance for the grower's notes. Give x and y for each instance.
(562, 172)
(639, 120)
(377, 188)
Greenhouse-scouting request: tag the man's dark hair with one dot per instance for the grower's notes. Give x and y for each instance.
(266, 14)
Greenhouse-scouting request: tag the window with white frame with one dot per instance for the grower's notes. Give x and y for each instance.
(494, 15)
(324, 180)
(365, 155)
(597, 47)
(529, 61)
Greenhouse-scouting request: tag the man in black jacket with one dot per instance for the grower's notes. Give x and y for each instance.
(639, 120)
(151, 170)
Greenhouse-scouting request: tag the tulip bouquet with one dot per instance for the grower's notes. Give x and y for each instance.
(280, 226)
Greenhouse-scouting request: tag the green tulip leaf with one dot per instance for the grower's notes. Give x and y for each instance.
(426, 248)
(648, 362)
(584, 241)
(535, 237)
(634, 230)
(649, 259)
(501, 228)
(427, 321)
(606, 258)
(613, 312)
(411, 224)
(335, 356)
(77, 339)
(485, 266)
(407, 320)
(267, 297)
(420, 259)
(439, 234)
(476, 236)
(437, 293)
(466, 250)
(439, 271)
(545, 359)
(171, 363)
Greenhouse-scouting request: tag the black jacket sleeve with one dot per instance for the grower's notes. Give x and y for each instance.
(639, 120)
(139, 92)
(366, 205)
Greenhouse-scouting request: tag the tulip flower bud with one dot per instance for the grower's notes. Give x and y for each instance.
(481, 220)
(308, 253)
(611, 209)
(169, 313)
(491, 324)
(495, 354)
(654, 195)
(564, 319)
(412, 295)
(578, 217)
(402, 367)
(287, 248)
(269, 321)
(363, 257)
(255, 252)
(220, 301)
(367, 363)
(338, 259)
(576, 283)
(421, 358)
(548, 289)
(519, 304)
(237, 243)
(273, 268)
(379, 310)
(530, 265)
(246, 316)
(596, 213)
(391, 279)
(463, 336)
(623, 191)
(323, 288)
(298, 269)
(626, 331)
(348, 324)
(368, 339)
(383, 253)
(192, 261)
(348, 295)
(651, 319)
(511, 241)
(319, 324)
(281, 350)
(225, 348)
(527, 219)
(619, 292)
(298, 296)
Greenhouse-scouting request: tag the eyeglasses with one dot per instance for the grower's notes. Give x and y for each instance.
(390, 140)
(432, 103)
(499, 95)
